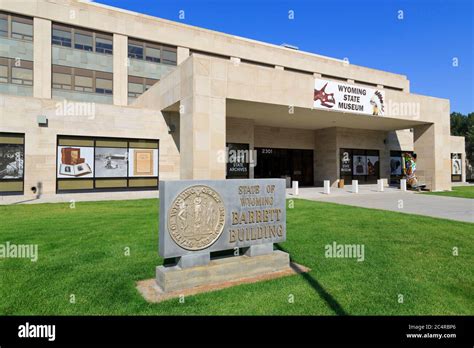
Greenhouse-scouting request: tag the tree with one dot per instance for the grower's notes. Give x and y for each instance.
(462, 125)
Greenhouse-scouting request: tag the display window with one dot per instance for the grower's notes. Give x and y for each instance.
(359, 164)
(98, 164)
(12, 163)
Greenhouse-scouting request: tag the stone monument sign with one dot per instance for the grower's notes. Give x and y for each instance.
(197, 217)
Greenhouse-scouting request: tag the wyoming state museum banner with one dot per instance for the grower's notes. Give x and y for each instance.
(333, 95)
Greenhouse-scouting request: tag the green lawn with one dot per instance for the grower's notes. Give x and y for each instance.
(81, 252)
(458, 191)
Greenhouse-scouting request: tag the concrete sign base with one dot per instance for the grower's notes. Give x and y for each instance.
(176, 278)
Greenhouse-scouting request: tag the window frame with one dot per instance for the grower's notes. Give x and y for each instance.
(138, 80)
(63, 29)
(5, 17)
(154, 45)
(24, 64)
(94, 74)
(22, 19)
(94, 34)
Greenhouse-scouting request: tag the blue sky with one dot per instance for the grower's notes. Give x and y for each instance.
(421, 46)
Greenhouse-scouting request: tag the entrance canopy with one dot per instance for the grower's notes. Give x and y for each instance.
(273, 115)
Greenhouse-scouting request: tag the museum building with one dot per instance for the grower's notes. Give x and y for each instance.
(99, 99)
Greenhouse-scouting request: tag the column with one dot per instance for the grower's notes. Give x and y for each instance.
(202, 138)
(431, 146)
(42, 58)
(120, 70)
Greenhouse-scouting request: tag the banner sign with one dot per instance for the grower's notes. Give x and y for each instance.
(338, 96)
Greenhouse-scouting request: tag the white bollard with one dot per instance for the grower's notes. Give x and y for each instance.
(327, 187)
(403, 184)
(355, 186)
(380, 183)
(295, 188)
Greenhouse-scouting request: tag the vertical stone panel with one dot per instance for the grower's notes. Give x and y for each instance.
(120, 70)
(42, 58)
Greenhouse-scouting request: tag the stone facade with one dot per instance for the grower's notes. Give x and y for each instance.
(210, 100)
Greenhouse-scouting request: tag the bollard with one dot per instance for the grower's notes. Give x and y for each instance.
(355, 186)
(327, 187)
(380, 183)
(295, 188)
(403, 184)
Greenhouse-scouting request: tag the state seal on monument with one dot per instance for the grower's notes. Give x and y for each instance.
(196, 217)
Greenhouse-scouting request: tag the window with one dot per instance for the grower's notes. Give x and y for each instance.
(12, 163)
(83, 41)
(62, 77)
(135, 51)
(103, 83)
(83, 80)
(359, 164)
(135, 86)
(103, 44)
(169, 56)
(3, 25)
(104, 164)
(152, 54)
(138, 85)
(4, 70)
(62, 36)
(19, 72)
(22, 28)
(22, 74)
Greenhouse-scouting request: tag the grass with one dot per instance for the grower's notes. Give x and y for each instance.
(82, 252)
(458, 191)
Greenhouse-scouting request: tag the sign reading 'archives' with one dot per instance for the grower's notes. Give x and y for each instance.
(333, 95)
(200, 216)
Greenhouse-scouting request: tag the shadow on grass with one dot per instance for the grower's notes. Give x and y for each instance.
(327, 297)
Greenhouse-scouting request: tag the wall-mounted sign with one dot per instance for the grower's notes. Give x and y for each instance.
(333, 95)
(200, 216)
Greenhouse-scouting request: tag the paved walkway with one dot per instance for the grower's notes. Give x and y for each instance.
(460, 209)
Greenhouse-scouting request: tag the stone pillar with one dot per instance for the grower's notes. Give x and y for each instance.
(326, 157)
(431, 146)
(202, 138)
(203, 122)
(182, 54)
(120, 70)
(42, 58)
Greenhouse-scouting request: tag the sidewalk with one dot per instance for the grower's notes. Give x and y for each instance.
(459, 209)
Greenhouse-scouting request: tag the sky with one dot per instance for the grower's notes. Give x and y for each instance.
(431, 42)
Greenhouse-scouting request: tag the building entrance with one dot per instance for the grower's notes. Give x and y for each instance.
(295, 164)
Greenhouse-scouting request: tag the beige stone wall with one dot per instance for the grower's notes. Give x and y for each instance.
(326, 160)
(401, 140)
(250, 83)
(284, 138)
(18, 114)
(126, 23)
